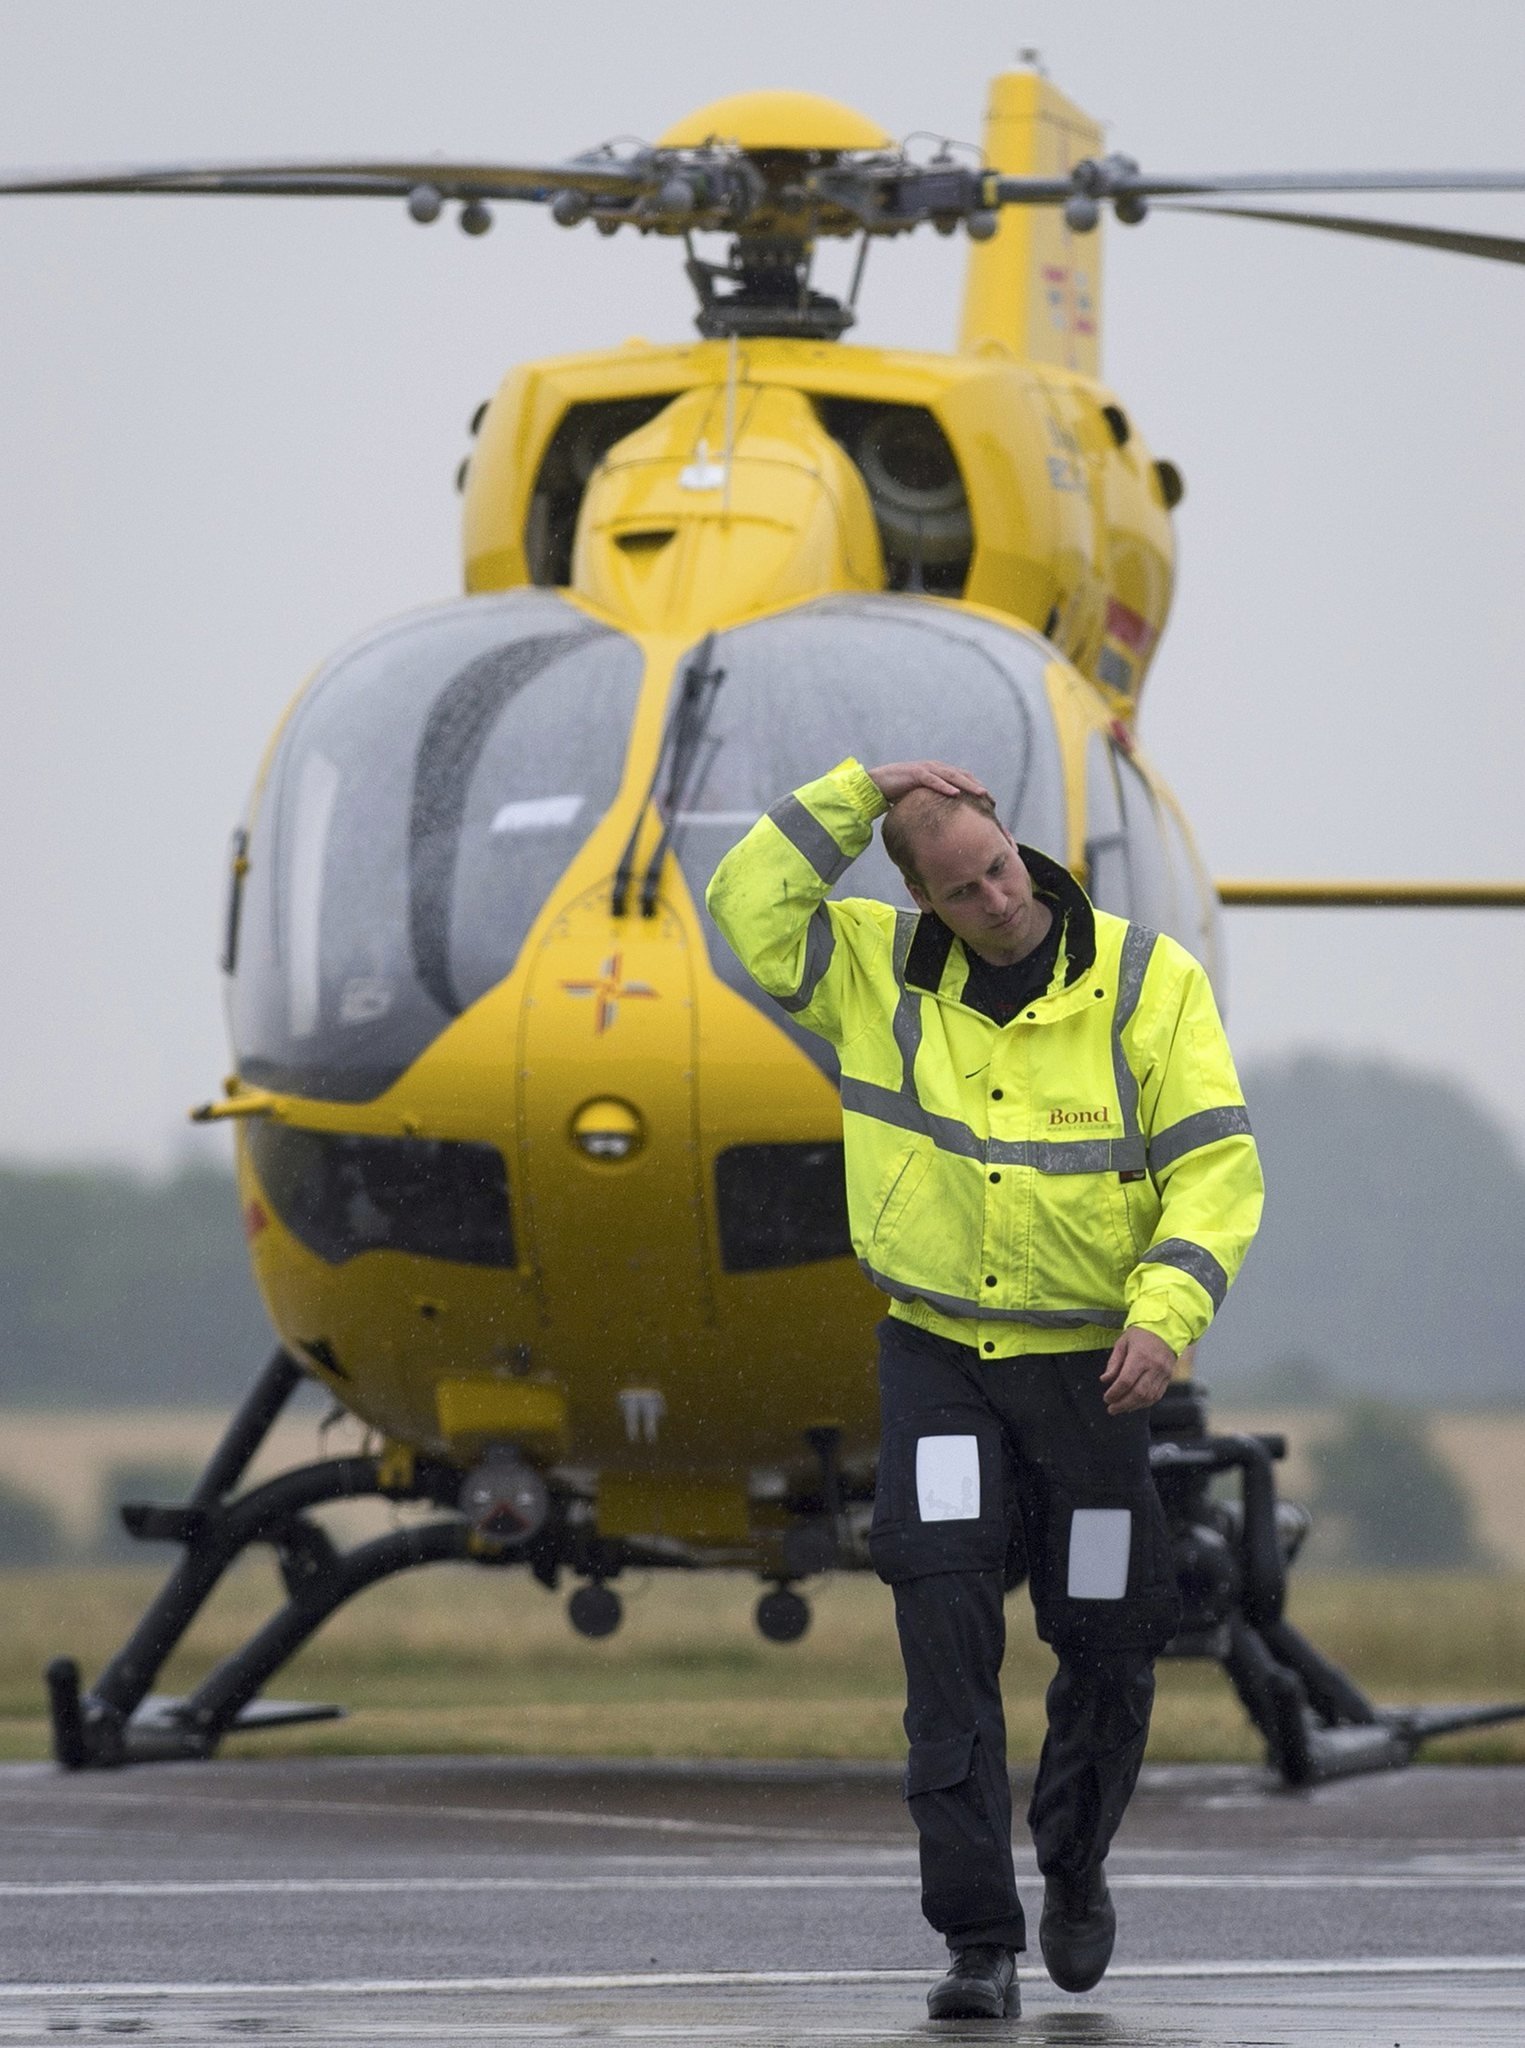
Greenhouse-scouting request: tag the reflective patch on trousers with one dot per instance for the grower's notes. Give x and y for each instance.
(1100, 1540)
(948, 1478)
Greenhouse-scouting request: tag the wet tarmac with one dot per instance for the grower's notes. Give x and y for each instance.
(477, 1900)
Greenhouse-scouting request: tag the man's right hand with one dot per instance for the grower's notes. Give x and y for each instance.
(898, 778)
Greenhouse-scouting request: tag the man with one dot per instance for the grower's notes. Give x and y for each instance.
(1050, 1172)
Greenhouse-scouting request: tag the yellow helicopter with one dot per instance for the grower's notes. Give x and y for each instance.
(535, 1182)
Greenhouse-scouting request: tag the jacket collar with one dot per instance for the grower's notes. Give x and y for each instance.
(933, 941)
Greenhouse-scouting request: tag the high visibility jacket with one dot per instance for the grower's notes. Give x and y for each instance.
(1027, 1187)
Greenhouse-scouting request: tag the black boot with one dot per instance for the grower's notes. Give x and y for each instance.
(981, 1984)
(1077, 1930)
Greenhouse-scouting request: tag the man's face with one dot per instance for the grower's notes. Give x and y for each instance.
(973, 878)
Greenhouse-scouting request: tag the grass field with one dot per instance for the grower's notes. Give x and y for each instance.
(460, 1659)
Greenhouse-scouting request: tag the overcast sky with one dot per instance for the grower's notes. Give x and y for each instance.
(231, 428)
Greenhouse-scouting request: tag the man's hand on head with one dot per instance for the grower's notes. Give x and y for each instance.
(898, 778)
(1137, 1373)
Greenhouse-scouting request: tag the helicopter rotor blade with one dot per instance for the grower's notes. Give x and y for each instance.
(1493, 248)
(395, 179)
(1119, 182)
(1115, 177)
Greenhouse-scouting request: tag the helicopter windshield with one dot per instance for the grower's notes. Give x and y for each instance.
(427, 792)
(885, 679)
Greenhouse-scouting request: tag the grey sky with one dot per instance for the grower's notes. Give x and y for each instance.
(230, 431)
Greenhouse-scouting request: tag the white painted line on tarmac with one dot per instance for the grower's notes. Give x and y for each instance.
(172, 1888)
(1318, 1881)
(722, 1980)
(547, 1816)
(1346, 1966)
(744, 1881)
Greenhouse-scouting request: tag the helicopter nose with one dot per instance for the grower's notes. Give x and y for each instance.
(608, 1150)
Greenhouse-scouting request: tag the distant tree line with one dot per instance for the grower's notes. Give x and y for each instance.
(1389, 1262)
(119, 1291)
(1384, 1499)
(33, 1533)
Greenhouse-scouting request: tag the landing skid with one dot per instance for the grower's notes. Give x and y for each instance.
(1231, 1560)
(118, 1721)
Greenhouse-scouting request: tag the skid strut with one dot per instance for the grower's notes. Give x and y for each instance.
(118, 1720)
(1231, 1562)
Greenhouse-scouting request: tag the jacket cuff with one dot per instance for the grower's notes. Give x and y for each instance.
(858, 788)
(1166, 1323)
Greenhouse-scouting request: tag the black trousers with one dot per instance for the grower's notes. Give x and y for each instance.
(985, 1466)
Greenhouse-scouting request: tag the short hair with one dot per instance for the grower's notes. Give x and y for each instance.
(922, 813)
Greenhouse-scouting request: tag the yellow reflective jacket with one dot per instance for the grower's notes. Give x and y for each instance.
(1023, 1187)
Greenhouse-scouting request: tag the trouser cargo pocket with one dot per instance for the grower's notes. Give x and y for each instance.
(1102, 1573)
(940, 1503)
(940, 1765)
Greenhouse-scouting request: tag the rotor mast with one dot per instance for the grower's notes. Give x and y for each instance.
(787, 139)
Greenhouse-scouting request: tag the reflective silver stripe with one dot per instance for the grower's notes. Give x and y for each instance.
(979, 1311)
(1192, 1259)
(1204, 1127)
(807, 835)
(820, 944)
(1078, 1155)
(1138, 949)
(907, 1020)
(887, 1106)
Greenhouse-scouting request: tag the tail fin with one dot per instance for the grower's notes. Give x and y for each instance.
(1035, 287)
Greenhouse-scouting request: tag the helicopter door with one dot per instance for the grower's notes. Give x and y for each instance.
(609, 1162)
(1154, 884)
(1196, 898)
(1109, 878)
(1140, 860)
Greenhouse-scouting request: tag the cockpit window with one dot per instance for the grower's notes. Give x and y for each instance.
(431, 786)
(885, 679)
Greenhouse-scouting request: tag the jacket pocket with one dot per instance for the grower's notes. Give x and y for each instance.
(902, 1185)
(1080, 1244)
(1141, 1206)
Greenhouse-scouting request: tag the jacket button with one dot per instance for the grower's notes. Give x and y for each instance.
(990, 1279)
(995, 1176)
(990, 1347)
(1031, 1016)
(1098, 993)
(995, 1094)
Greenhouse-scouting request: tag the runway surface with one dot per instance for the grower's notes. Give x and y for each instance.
(345, 1901)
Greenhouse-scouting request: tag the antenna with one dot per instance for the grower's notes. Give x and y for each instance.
(730, 423)
(853, 288)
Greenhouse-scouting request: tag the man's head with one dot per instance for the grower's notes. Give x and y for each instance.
(960, 863)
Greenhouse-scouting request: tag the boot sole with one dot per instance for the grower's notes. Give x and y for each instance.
(970, 2006)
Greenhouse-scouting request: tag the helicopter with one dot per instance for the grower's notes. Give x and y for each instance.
(535, 1183)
